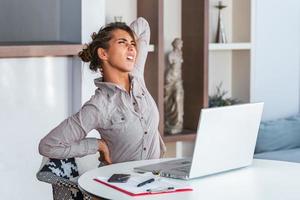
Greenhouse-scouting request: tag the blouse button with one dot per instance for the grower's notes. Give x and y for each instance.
(146, 132)
(144, 148)
(122, 118)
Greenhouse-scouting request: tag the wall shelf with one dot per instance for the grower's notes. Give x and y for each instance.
(42, 49)
(38, 49)
(229, 46)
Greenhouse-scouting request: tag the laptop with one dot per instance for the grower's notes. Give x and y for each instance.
(226, 138)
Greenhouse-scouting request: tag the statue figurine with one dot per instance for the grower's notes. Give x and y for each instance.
(173, 97)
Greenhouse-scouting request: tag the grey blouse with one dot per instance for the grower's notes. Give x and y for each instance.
(128, 122)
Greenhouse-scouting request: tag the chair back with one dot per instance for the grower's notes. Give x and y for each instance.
(62, 174)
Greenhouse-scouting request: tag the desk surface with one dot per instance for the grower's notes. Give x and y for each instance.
(263, 180)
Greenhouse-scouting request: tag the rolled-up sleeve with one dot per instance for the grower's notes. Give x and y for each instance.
(68, 138)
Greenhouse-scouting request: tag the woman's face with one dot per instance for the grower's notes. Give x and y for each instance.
(121, 53)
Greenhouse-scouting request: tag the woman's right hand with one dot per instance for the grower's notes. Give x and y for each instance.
(104, 152)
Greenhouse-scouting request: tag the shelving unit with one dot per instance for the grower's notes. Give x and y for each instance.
(230, 63)
(229, 46)
(195, 66)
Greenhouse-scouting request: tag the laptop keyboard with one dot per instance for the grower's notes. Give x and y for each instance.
(185, 169)
(182, 166)
(185, 162)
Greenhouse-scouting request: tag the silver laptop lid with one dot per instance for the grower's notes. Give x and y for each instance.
(226, 138)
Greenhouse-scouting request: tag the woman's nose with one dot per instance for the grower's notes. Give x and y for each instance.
(131, 47)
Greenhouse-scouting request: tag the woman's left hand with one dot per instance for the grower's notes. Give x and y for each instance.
(104, 152)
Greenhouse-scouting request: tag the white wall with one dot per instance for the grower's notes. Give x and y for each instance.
(35, 97)
(275, 72)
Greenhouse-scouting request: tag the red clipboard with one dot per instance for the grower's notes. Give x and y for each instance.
(142, 193)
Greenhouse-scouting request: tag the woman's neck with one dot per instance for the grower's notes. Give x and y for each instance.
(121, 79)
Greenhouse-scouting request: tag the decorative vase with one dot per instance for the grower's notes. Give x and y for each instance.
(221, 36)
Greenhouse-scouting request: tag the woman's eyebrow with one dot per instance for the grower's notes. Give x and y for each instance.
(124, 39)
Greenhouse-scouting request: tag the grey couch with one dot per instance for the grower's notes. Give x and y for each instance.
(279, 140)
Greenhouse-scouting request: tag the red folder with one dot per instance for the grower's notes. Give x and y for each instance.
(142, 193)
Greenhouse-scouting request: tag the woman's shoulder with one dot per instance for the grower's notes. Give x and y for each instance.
(98, 99)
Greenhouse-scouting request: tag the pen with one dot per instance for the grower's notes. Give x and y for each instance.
(164, 189)
(146, 182)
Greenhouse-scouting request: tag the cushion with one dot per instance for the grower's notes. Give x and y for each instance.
(65, 168)
(279, 134)
(290, 155)
(87, 163)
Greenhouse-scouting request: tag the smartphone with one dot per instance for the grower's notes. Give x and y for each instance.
(119, 178)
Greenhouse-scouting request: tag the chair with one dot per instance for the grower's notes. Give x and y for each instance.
(62, 175)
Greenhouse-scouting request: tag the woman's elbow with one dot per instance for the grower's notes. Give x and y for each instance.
(44, 149)
(49, 151)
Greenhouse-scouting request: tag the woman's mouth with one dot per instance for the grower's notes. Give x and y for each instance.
(130, 58)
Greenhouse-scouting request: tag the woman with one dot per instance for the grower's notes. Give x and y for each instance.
(121, 110)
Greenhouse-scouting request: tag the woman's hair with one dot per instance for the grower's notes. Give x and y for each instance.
(101, 40)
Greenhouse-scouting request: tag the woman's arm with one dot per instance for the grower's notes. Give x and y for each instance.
(142, 30)
(68, 138)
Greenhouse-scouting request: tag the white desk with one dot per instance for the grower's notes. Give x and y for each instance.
(264, 180)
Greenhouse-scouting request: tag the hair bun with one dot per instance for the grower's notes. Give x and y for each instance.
(85, 54)
(94, 36)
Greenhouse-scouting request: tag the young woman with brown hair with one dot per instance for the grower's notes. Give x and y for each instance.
(121, 110)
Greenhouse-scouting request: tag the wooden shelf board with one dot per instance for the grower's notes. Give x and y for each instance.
(229, 46)
(38, 49)
(42, 49)
(185, 135)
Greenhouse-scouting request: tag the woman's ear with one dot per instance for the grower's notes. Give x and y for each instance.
(102, 54)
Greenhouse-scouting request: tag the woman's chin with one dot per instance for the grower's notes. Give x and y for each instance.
(129, 68)
(125, 68)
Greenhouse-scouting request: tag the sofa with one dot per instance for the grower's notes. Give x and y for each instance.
(279, 140)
